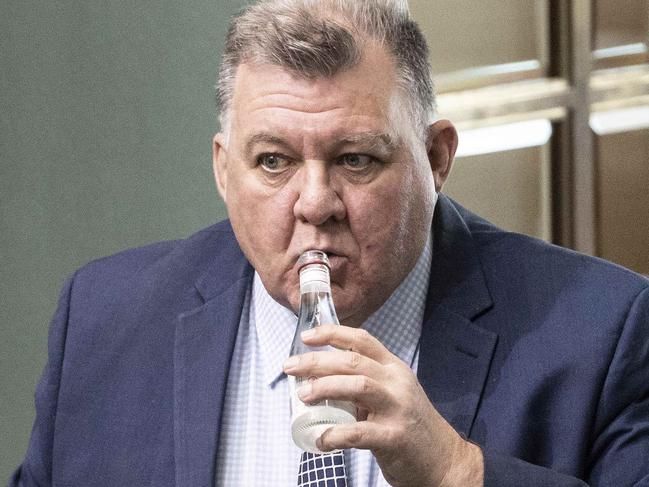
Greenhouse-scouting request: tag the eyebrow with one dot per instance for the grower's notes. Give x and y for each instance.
(264, 138)
(368, 140)
(371, 140)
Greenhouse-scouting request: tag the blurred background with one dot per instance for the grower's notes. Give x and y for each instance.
(107, 114)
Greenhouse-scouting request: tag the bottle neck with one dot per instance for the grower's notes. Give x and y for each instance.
(314, 278)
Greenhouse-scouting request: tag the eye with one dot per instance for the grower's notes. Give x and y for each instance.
(272, 162)
(356, 162)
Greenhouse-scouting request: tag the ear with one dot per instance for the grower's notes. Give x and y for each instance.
(220, 164)
(441, 144)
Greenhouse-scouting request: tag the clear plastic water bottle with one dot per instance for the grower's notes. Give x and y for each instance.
(309, 421)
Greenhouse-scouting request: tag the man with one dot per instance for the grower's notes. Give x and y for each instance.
(474, 356)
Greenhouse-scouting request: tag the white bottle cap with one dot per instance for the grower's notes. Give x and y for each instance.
(313, 267)
(314, 278)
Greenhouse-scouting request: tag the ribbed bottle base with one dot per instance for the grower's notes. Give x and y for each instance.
(308, 426)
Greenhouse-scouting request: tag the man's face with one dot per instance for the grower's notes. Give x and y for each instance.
(330, 164)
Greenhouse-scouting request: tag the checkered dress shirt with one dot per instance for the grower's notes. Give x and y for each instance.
(255, 447)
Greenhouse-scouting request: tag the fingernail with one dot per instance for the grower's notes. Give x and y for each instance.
(291, 362)
(307, 334)
(318, 443)
(304, 391)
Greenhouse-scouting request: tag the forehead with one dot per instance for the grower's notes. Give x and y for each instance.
(364, 96)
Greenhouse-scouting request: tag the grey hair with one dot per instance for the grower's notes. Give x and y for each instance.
(319, 38)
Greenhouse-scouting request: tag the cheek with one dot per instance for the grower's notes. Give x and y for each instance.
(262, 219)
(376, 213)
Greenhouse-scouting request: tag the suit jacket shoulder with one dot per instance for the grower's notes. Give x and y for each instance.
(568, 377)
(176, 262)
(134, 350)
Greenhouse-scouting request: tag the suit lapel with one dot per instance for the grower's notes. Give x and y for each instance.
(204, 343)
(455, 354)
(454, 361)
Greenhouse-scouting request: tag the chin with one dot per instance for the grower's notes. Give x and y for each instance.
(345, 308)
(292, 301)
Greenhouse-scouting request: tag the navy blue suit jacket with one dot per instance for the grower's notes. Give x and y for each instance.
(538, 354)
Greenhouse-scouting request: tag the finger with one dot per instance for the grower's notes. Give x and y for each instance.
(364, 392)
(365, 435)
(320, 364)
(348, 338)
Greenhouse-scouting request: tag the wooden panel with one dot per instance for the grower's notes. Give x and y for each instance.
(510, 189)
(465, 34)
(623, 184)
(619, 24)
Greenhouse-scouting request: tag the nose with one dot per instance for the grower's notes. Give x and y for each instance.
(317, 201)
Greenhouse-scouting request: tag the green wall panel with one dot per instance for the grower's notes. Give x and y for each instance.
(106, 119)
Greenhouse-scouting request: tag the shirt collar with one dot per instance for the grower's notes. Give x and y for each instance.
(397, 323)
(275, 327)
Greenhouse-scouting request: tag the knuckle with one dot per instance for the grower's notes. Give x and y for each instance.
(355, 359)
(362, 334)
(316, 386)
(400, 372)
(354, 436)
(363, 385)
(311, 359)
(322, 387)
(359, 336)
(324, 332)
(394, 436)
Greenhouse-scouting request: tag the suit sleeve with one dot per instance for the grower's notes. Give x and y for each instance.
(36, 469)
(619, 453)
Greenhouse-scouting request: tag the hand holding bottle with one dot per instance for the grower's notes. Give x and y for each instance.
(411, 441)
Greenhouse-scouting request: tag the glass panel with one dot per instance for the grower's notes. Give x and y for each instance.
(623, 185)
(465, 34)
(510, 188)
(619, 24)
(621, 32)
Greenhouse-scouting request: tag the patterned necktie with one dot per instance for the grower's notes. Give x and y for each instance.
(326, 470)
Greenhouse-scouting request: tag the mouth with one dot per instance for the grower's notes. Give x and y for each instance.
(336, 259)
(331, 255)
(336, 262)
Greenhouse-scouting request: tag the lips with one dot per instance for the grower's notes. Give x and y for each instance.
(332, 255)
(330, 251)
(336, 264)
(335, 256)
